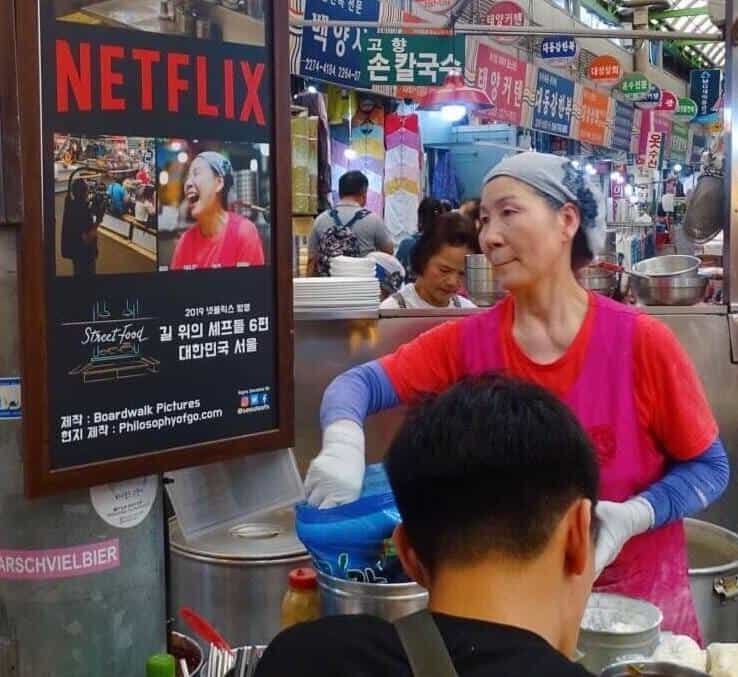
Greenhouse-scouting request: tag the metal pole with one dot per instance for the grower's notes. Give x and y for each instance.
(730, 247)
(482, 30)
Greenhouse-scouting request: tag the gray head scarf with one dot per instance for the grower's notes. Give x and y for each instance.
(222, 167)
(557, 178)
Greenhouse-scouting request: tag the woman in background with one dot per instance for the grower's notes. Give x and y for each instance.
(428, 211)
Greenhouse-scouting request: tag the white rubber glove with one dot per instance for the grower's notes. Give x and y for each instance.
(336, 475)
(619, 522)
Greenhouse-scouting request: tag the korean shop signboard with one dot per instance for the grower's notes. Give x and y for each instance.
(157, 304)
(503, 77)
(554, 103)
(594, 114)
(420, 60)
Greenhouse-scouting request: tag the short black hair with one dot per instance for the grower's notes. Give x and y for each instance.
(451, 228)
(429, 210)
(352, 183)
(489, 466)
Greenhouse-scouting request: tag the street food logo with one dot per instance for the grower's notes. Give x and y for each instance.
(254, 400)
(115, 337)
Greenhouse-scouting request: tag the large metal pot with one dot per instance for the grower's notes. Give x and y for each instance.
(389, 600)
(669, 266)
(603, 643)
(236, 577)
(713, 576)
(650, 669)
(480, 281)
(669, 291)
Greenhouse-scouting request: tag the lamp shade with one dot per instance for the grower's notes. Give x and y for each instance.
(455, 92)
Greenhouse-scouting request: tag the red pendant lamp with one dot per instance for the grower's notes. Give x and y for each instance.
(455, 93)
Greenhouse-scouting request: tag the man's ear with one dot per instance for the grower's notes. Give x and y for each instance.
(579, 542)
(409, 558)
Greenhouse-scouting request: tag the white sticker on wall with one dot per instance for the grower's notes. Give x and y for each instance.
(10, 398)
(125, 504)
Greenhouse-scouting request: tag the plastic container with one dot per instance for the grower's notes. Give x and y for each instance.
(160, 665)
(301, 602)
(214, 497)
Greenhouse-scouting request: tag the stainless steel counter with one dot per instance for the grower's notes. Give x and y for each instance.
(326, 347)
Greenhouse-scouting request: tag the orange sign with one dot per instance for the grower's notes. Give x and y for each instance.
(605, 69)
(594, 110)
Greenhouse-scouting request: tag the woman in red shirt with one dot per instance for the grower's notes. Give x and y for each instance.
(623, 373)
(219, 238)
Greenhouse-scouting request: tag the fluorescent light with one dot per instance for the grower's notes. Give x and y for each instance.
(183, 157)
(453, 112)
(677, 168)
(163, 178)
(349, 154)
(575, 164)
(590, 169)
(312, 89)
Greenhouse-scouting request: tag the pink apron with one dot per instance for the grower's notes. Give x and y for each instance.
(652, 566)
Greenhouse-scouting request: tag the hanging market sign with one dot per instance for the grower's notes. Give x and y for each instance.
(558, 49)
(651, 99)
(668, 103)
(420, 60)
(704, 89)
(635, 86)
(503, 77)
(679, 142)
(594, 114)
(506, 14)
(622, 126)
(605, 70)
(336, 53)
(654, 156)
(554, 102)
(686, 109)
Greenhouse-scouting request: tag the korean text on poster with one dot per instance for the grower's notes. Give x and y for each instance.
(622, 128)
(503, 78)
(420, 60)
(335, 53)
(654, 150)
(595, 110)
(704, 88)
(553, 104)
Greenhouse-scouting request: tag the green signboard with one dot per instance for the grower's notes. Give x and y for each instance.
(635, 86)
(679, 142)
(686, 109)
(420, 60)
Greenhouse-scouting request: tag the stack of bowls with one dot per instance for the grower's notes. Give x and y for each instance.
(672, 280)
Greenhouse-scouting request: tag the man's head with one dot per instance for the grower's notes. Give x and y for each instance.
(497, 473)
(353, 185)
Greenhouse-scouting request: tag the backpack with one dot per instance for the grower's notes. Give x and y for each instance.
(338, 240)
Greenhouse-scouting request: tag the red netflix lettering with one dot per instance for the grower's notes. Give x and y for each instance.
(252, 101)
(175, 84)
(203, 107)
(68, 76)
(229, 105)
(147, 58)
(109, 78)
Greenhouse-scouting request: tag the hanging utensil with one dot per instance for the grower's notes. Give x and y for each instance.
(203, 629)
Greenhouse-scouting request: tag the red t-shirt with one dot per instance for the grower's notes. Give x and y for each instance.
(238, 244)
(669, 396)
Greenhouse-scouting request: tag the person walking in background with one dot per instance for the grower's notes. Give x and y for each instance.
(118, 198)
(349, 229)
(428, 211)
(79, 230)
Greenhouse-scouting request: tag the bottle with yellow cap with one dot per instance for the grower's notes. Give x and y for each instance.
(301, 602)
(160, 665)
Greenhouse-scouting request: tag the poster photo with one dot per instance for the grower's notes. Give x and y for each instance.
(161, 274)
(214, 198)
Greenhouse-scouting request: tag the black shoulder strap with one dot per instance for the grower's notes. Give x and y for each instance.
(334, 215)
(360, 214)
(400, 299)
(426, 651)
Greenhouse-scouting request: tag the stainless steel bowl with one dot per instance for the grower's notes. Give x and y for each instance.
(598, 279)
(668, 266)
(669, 291)
(650, 669)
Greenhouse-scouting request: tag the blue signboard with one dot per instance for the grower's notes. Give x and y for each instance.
(558, 48)
(704, 88)
(622, 126)
(334, 53)
(554, 103)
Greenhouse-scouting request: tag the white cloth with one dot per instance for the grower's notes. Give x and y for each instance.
(412, 300)
(619, 522)
(336, 475)
(401, 214)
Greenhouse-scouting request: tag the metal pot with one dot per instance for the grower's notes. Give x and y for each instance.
(605, 647)
(669, 266)
(236, 577)
(480, 281)
(669, 291)
(389, 601)
(650, 669)
(713, 576)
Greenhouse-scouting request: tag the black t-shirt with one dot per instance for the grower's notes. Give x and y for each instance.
(366, 646)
